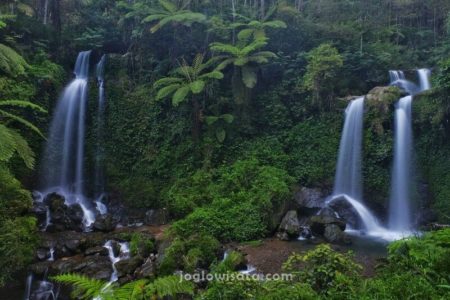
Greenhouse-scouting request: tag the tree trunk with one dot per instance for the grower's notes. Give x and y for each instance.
(196, 120)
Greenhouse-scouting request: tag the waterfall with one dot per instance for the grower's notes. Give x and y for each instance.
(348, 182)
(64, 154)
(99, 151)
(28, 287)
(45, 12)
(424, 79)
(400, 215)
(348, 172)
(399, 211)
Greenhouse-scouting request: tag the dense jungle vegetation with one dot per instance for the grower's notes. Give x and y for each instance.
(217, 111)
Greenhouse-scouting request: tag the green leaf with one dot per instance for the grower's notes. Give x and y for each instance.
(21, 121)
(241, 61)
(212, 75)
(166, 91)
(245, 34)
(197, 86)
(228, 118)
(211, 120)
(180, 95)
(166, 81)
(22, 104)
(7, 144)
(23, 149)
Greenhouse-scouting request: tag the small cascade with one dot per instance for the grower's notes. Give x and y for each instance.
(28, 287)
(101, 208)
(124, 253)
(63, 166)
(400, 214)
(99, 151)
(52, 254)
(424, 79)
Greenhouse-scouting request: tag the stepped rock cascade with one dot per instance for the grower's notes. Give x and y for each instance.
(63, 165)
(348, 181)
(99, 149)
(400, 215)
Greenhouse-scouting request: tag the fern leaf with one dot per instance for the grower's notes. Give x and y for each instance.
(167, 5)
(197, 86)
(166, 81)
(22, 104)
(166, 91)
(83, 287)
(7, 143)
(23, 149)
(11, 62)
(171, 286)
(180, 95)
(21, 121)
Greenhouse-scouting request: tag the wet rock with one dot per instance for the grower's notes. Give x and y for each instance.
(105, 223)
(147, 270)
(346, 211)
(310, 198)
(99, 250)
(128, 266)
(97, 267)
(290, 226)
(42, 254)
(334, 234)
(40, 211)
(40, 268)
(305, 232)
(156, 217)
(319, 223)
(55, 202)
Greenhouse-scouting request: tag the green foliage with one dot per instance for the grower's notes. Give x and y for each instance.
(86, 288)
(189, 253)
(324, 269)
(324, 63)
(11, 63)
(169, 13)
(313, 148)
(141, 245)
(242, 200)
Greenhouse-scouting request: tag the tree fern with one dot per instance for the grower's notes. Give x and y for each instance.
(169, 286)
(11, 62)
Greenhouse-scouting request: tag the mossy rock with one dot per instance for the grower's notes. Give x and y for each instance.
(379, 103)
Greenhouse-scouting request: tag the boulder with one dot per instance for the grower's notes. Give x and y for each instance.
(310, 198)
(98, 250)
(334, 234)
(128, 266)
(320, 222)
(39, 209)
(289, 226)
(156, 217)
(105, 223)
(42, 253)
(55, 202)
(147, 270)
(346, 211)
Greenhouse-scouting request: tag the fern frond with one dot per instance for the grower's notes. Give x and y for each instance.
(131, 291)
(22, 104)
(23, 149)
(166, 91)
(11, 62)
(21, 121)
(170, 286)
(166, 81)
(83, 287)
(7, 143)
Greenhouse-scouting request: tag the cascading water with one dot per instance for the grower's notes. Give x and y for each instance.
(348, 182)
(124, 253)
(64, 156)
(99, 155)
(400, 215)
(348, 172)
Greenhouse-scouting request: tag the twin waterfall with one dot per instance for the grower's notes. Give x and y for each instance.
(64, 157)
(348, 181)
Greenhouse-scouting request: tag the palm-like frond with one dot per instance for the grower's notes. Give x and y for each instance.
(20, 120)
(23, 149)
(131, 291)
(225, 48)
(7, 144)
(166, 81)
(11, 62)
(83, 287)
(167, 91)
(22, 104)
(169, 286)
